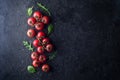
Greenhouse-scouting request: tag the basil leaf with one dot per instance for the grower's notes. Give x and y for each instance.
(44, 8)
(50, 29)
(31, 69)
(30, 11)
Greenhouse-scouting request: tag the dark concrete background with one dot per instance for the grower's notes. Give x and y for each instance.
(87, 37)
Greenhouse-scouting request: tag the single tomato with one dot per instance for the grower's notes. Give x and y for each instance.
(40, 35)
(45, 68)
(36, 63)
(40, 49)
(42, 58)
(45, 41)
(36, 43)
(31, 21)
(37, 15)
(45, 19)
(39, 26)
(31, 33)
(34, 56)
(49, 47)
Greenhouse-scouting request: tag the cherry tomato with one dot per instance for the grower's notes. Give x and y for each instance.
(49, 47)
(31, 33)
(34, 55)
(40, 49)
(45, 19)
(39, 26)
(37, 15)
(42, 58)
(45, 41)
(36, 43)
(45, 68)
(36, 63)
(40, 35)
(31, 21)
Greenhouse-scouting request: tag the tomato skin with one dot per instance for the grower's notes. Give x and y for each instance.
(45, 68)
(40, 49)
(42, 58)
(40, 35)
(31, 33)
(49, 47)
(45, 19)
(34, 56)
(36, 63)
(37, 15)
(45, 41)
(36, 43)
(31, 21)
(39, 26)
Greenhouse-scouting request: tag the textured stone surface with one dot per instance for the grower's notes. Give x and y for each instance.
(87, 37)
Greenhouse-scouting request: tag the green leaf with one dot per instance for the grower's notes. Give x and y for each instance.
(50, 29)
(44, 8)
(31, 69)
(31, 49)
(24, 43)
(28, 45)
(52, 56)
(30, 11)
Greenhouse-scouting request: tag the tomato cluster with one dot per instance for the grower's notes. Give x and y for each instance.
(41, 42)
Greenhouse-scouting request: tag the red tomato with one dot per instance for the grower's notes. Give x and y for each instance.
(49, 47)
(40, 35)
(40, 49)
(45, 68)
(45, 19)
(37, 15)
(36, 43)
(39, 26)
(42, 58)
(31, 21)
(36, 63)
(31, 33)
(45, 41)
(34, 55)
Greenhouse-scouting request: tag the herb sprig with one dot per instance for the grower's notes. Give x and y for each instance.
(53, 55)
(28, 45)
(44, 8)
